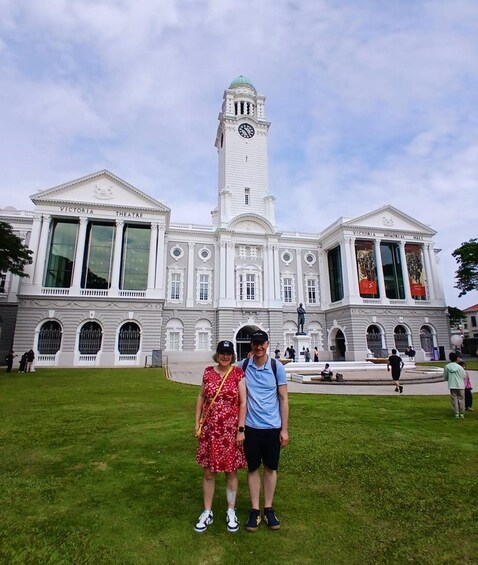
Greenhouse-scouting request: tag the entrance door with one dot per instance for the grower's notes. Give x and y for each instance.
(339, 353)
(243, 341)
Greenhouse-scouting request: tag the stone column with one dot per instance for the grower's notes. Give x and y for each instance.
(343, 263)
(230, 290)
(152, 255)
(300, 277)
(351, 266)
(33, 245)
(161, 262)
(115, 274)
(380, 278)
(276, 275)
(222, 270)
(79, 254)
(428, 272)
(406, 279)
(42, 248)
(190, 283)
(324, 284)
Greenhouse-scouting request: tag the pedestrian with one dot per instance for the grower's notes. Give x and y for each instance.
(455, 375)
(30, 358)
(292, 353)
(316, 355)
(396, 363)
(307, 355)
(277, 354)
(23, 362)
(9, 357)
(267, 420)
(410, 352)
(220, 421)
(468, 389)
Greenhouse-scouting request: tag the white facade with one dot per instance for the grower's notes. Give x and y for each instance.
(113, 279)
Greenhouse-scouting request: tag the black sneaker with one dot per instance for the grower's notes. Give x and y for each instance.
(271, 519)
(401, 389)
(254, 520)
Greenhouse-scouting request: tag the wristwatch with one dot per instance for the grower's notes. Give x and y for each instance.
(240, 429)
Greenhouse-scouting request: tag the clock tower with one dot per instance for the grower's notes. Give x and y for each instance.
(241, 142)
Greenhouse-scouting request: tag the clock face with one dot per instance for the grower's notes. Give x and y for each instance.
(246, 130)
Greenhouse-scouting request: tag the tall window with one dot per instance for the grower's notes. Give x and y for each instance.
(129, 338)
(366, 269)
(62, 253)
(247, 196)
(374, 340)
(175, 286)
(174, 335)
(135, 259)
(203, 287)
(203, 335)
(3, 281)
(287, 289)
(49, 338)
(99, 257)
(400, 338)
(311, 290)
(91, 336)
(392, 270)
(426, 339)
(334, 260)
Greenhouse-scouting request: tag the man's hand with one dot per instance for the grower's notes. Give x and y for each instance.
(284, 438)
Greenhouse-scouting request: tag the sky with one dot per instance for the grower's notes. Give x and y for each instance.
(371, 102)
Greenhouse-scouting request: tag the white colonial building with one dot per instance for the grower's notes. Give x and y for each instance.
(113, 279)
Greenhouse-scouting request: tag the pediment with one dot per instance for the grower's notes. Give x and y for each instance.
(390, 219)
(251, 223)
(102, 189)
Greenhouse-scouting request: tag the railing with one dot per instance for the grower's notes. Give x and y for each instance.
(127, 358)
(55, 291)
(133, 293)
(46, 358)
(93, 292)
(372, 300)
(87, 358)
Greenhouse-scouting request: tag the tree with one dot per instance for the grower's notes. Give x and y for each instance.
(467, 274)
(14, 255)
(456, 316)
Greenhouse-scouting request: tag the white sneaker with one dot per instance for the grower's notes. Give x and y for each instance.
(204, 520)
(232, 521)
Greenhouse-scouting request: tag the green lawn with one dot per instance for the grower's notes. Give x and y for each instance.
(471, 364)
(97, 466)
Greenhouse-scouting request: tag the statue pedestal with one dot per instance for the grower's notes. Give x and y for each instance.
(301, 341)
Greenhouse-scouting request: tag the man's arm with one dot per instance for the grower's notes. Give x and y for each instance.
(284, 415)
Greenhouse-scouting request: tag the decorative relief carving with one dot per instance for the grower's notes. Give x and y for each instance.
(387, 220)
(103, 192)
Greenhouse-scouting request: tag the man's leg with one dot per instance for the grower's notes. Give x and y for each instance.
(254, 482)
(270, 482)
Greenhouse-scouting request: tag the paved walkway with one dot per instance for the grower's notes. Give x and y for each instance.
(191, 373)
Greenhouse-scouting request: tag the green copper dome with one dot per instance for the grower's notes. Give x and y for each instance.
(241, 80)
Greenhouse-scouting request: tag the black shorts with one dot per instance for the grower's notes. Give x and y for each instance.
(262, 446)
(395, 376)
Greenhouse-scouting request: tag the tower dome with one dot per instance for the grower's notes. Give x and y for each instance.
(241, 80)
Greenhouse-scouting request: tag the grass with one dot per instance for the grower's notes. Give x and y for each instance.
(471, 364)
(97, 467)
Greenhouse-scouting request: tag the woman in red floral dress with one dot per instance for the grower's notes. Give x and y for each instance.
(221, 441)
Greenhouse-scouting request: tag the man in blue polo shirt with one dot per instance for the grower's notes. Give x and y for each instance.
(266, 431)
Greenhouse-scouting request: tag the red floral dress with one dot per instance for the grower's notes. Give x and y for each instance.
(217, 449)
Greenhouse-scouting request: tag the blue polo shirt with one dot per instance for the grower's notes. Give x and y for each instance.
(262, 398)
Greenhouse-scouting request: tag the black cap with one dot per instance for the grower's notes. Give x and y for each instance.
(259, 336)
(225, 347)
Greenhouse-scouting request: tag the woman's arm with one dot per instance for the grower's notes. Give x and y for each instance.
(199, 406)
(242, 410)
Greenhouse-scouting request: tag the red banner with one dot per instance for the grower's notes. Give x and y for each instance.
(366, 268)
(416, 275)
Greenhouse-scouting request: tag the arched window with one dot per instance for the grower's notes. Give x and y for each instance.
(174, 335)
(374, 340)
(401, 338)
(49, 338)
(129, 338)
(203, 332)
(91, 336)
(426, 339)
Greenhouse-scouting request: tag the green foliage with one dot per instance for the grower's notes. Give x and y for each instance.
(467, 273)
(97, 466)
(455, 315)
(14, 255)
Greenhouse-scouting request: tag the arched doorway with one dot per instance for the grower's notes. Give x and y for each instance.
(243, 341)
(401, 338)
(340, 347)
(374, 340)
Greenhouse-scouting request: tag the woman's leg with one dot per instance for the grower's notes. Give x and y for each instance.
(231, 488)
(208, 487)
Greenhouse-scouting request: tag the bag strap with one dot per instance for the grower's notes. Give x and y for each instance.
(219, 388)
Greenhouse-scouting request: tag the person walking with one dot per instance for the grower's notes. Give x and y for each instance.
(267, 420)
(30, 359)
(316, 355)
(455, 375)
(396, 363)
(23, 363)
(468, 389)
(220, 420)
(9, 357)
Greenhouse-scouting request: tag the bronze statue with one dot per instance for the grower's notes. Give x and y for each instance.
(300, 319)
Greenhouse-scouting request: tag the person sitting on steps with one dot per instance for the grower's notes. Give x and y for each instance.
(327, 373)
